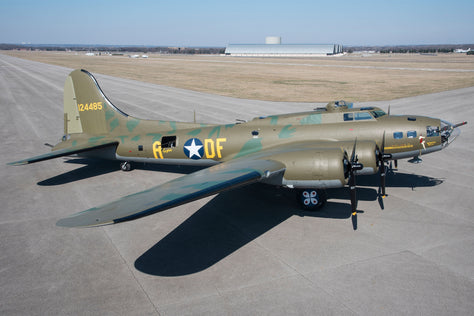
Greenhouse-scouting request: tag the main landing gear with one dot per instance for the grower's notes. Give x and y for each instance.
(312, 199)
(125, 166)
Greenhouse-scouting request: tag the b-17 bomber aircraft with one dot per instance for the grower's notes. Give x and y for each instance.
(308, 151)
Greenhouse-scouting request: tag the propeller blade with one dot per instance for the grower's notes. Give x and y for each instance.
(383, 157)
(354, 166)
(353, 194)
(353, 157)
(382, 166)
(383, 175)
(354, 221)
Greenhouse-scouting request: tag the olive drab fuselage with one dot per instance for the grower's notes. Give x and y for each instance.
(327, 133)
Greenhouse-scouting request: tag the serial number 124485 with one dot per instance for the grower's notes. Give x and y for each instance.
(93, 106)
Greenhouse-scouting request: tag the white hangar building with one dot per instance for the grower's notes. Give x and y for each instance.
(274, 48)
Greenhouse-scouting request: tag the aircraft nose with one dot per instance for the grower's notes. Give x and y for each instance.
(449, 132)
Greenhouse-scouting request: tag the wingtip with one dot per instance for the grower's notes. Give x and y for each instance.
(17, 163)
(80, 222)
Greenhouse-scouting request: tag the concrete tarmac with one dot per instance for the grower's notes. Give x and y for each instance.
(249, 251)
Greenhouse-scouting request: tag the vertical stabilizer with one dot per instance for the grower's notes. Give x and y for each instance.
(86, 108)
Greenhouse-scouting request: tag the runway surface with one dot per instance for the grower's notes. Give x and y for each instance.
(249, 251)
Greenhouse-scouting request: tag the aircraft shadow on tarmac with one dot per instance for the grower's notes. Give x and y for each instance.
(234, 218)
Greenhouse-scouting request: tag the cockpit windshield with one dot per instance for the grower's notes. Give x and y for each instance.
(378, 113)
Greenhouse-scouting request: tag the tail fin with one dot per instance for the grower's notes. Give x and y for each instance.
(86, 108)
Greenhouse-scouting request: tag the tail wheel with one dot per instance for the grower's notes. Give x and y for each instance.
(312, 199)
(125, 166)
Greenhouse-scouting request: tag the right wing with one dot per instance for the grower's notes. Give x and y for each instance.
(176, 192)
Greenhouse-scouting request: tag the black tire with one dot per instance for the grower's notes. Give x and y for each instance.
(312, 199)
(125, 166)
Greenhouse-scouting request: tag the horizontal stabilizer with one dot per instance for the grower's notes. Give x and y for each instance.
(63, 152)
(176, 192)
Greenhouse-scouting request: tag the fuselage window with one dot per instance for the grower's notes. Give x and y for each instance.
(398, 135)
(168, 141)
(362, 116)
(432, 131)
(348, 116)
(411, 134)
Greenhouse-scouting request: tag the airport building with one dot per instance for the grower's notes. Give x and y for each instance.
(274, 48)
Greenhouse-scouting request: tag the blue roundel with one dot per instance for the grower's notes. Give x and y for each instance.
(193, 148)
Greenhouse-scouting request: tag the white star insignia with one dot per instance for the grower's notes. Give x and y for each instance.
(193, 149)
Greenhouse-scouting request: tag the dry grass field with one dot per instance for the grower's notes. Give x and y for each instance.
(323, 79)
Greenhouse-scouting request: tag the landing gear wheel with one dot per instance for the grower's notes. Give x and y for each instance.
(312, 199)
(125, 166)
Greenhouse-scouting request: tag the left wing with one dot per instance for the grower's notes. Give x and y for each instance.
(65, 152)
(176, 192)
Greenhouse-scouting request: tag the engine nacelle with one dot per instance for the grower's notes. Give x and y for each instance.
(367, 152)
(321, 168)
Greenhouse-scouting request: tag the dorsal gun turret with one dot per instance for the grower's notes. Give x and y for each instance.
(338, 106)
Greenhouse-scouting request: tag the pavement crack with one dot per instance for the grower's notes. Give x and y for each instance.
(130, 270)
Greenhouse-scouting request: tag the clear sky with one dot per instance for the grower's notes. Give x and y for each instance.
(218, 23)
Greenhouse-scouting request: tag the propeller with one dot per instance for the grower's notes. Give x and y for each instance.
(383, 157)
(353, 167)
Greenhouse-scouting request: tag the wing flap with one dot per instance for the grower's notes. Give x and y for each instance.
(62, 152)
(182, 190)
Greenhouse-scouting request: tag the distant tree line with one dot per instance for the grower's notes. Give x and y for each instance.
(174, 50)
(113, 48)
(417, 50)
(404, 49)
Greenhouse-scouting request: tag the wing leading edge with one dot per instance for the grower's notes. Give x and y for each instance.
(182, 190)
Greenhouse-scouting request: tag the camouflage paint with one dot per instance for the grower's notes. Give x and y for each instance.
(287, 132)
(194, 132)
(217, 130)
(311, 119)
(95, 139)
(274, 120)
(131, 124)
(114, 124)
(156, 136)
(250, 147)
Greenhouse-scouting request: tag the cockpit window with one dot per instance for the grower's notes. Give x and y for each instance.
(358, 116)
(378, 113)
(348, 116)
(432, 131)
(362, 116)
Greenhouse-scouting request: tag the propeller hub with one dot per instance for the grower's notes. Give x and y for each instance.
(355, 166)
